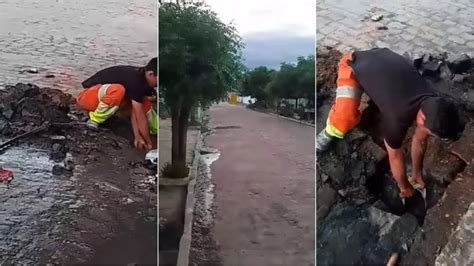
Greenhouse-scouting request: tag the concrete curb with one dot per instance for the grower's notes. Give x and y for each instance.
(290, 119)
(185, 241)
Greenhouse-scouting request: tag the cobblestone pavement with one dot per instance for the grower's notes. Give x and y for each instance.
(412, 26)
(73, 39)
(263, 199)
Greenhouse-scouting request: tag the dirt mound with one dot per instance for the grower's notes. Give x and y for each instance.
(102, 197)
(326, 65)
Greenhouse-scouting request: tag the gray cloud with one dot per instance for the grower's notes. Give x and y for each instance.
(270, 49)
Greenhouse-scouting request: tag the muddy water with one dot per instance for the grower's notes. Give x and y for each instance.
(30, 204)
(203, 246)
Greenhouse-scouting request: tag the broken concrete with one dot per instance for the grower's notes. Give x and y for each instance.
(460, 249)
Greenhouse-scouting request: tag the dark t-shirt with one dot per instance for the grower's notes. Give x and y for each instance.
(132, 78)
(396, 88)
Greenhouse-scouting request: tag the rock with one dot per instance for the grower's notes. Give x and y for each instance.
(58, 169)
(468, 99)
(32, 70)
(8, 114)
(458, 78)
(445, 72)
(364, 236)
(69, 165)
(326, 197)
(372, 150)
(50, 76)
(7, 130)
(460, 64)
(431, 69)
(377, 17)
(382, 28)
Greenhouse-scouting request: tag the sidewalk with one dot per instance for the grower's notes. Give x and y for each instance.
(172, 199)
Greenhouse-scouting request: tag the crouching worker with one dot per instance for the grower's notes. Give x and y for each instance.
(123, 86)
(403, 97)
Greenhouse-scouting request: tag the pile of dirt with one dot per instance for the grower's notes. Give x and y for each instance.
(358, 203)
(113, 201)
(326, 67)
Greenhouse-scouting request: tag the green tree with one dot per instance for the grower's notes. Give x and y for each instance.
(199, 61)
(255, 82)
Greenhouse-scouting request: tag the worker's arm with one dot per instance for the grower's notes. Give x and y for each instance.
(418, 148)
(397, 165)
(141, 122)
(138, 142)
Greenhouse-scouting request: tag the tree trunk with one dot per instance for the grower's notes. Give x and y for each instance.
(183, 132)
(174, 136)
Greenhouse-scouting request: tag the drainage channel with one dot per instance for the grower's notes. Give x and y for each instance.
(203, 246)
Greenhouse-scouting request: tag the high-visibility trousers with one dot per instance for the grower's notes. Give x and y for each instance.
(103, 101)
(345, 114)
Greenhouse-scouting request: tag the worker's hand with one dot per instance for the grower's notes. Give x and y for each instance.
(140, 144)
(407, 192)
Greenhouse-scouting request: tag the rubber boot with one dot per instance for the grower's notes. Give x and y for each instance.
(323, 141)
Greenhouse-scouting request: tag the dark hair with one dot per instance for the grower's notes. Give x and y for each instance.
(152, 66)
(442, 118)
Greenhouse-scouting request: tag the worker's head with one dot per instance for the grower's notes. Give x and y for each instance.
(441, 118)
(151, 72)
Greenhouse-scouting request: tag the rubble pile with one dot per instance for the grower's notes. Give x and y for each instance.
(360, 213)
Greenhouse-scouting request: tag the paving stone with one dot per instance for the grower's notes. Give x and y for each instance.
(460, 248)
(457, 39)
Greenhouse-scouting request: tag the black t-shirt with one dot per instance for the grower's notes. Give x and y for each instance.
(132, 78)
(396, 88)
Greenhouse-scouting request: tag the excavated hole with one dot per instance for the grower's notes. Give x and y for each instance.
(384, 188)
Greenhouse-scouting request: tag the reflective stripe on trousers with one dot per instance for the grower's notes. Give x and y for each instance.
(103, 110)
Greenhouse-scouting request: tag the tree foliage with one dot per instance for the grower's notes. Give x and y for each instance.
(199, 62)
(290, 81)
(255, 82)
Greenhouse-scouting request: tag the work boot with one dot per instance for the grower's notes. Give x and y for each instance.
(323, 141)
(92, 125)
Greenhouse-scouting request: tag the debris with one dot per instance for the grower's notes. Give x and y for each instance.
(6, 176)
(382, 28)
(58, 169)
(32, 71)
(50, 76)
(458, 78)
(460, 64)
(376, 17)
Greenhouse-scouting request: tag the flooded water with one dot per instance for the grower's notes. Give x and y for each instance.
(30, 204)
(73, 39)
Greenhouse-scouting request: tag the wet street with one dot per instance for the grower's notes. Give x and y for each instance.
(410, 26)
(255, 204)
(57, 218)
(73, 39)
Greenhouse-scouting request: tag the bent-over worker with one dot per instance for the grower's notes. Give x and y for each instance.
(403, 97)
(109, 89)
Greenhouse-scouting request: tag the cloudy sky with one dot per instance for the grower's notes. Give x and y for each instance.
(273, 30)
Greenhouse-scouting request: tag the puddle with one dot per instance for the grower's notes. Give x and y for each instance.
(208, 193)
(30, 203)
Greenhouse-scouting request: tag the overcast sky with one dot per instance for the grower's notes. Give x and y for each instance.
(273, 30)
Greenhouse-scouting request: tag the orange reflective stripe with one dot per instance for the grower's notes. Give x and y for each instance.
(345, 114)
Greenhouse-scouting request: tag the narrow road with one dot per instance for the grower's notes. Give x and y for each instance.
(264, 188)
